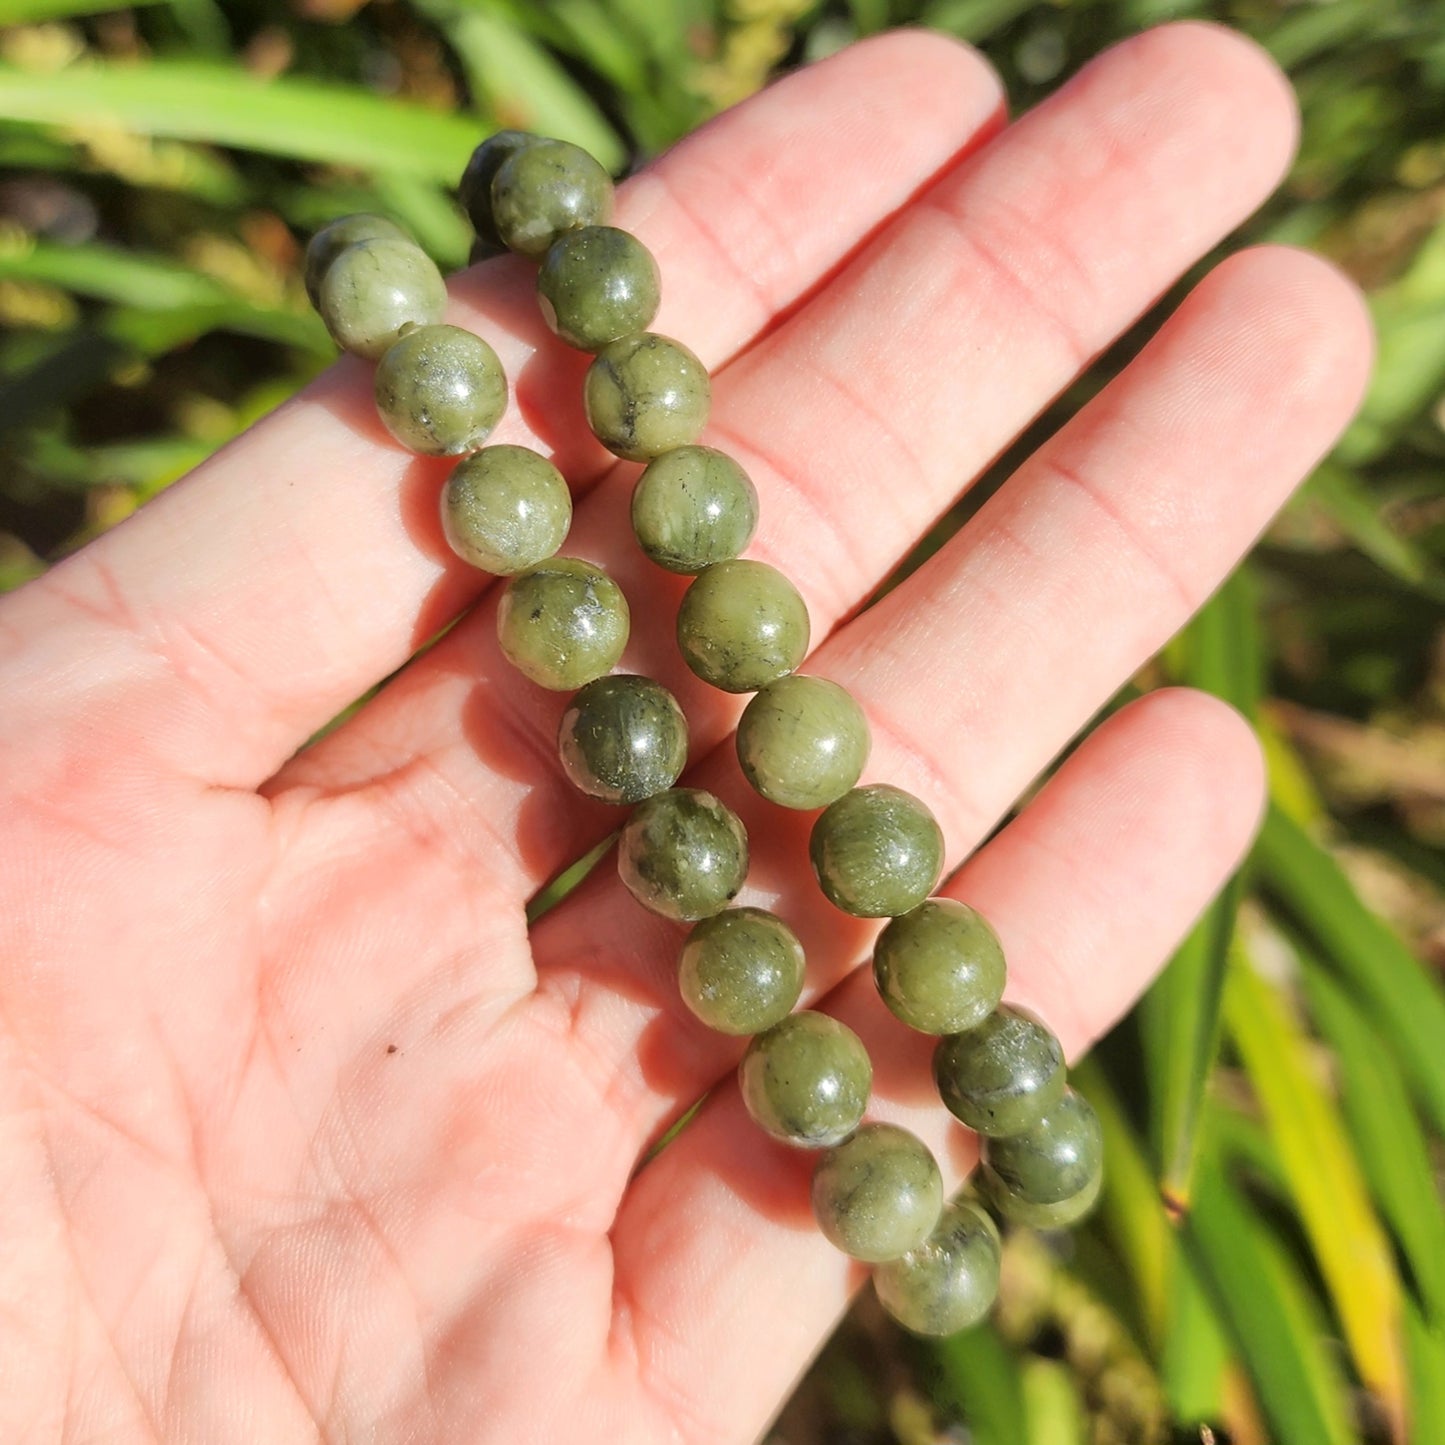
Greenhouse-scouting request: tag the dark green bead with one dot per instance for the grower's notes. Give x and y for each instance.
(741, 970)
(802, 742)
(375, 291)
(693, 506)
(440, 390)
(877, 852)
(742, 625)
(596, 285)
(1003, 1076)
(542, 190)
(645, 395)
(806, 1080)
(950, 1281)
(623, 738)
(1018, 1210)
(683, 854)
(563, 623)
(940, 967)
(330, 241)
(475, 190)
(505, 509)
(1054, 1162)
(878, 1194)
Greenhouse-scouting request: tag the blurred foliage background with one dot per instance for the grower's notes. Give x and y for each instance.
(1269, 1260)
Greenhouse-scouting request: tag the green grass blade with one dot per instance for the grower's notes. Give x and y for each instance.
(106, 273)
(1426, 1345)
(1051, 1404)
(1407, 1006)
(1315, 1151)
(304, 120)
(974, 1377)
(1392, 1148)
(31, 12)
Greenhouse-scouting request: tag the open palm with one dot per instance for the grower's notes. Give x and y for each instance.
(303, 1134)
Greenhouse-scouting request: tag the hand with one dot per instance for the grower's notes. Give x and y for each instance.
(303, 1135)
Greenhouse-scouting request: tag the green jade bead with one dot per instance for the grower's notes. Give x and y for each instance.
(949, 1283)
(505, 509)
(741, 971)
(474, 191)
(1052, 1170)
(623, 738)
(877, 851)
(1002, 1076)
(596, 285)
(802, 742)
(645, 395)
(683, 854)
(376, 291)
(331, 240)
(879, 1194)
(440, 390)
(563, 623)
(693, 506)
(543, 190)
(742, 625)
(939, 967)
(1018, 1210)
(806, 1080)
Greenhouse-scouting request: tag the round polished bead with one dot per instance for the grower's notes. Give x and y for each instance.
(542, 190)
(596, 285)
(950, 1281)
(475, 188)
(1002, 1076)
(563, 623)
(806, 1080)
(877, 851)
(645, 395)
(802, 742)
(1017, 1210)
(505, 509)
(331, 240)
(375, 291)
(623, 738)
(742, 625)
(939, 967)
(440, 390)
(1051, 1166)
(741, 970)
(683, 854)
(693, 506)
(878, 1194)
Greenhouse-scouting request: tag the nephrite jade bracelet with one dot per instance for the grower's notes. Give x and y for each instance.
(802, 741)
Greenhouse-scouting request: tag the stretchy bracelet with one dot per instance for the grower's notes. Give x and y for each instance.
(802, 741)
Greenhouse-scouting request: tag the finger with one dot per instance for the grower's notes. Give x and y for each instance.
(244, 608)
(860, 418)
(980, 667)
(1089, 890)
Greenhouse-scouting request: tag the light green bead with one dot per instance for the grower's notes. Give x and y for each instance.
(596, 285)
(741, 970)
(505, 509)
(440, 390)
(949, 1283)
(683, 854)
(877, 851)
(374, 291)
(563, 623)
(645, 395)
(1019, 1210)
(742, 625)
(623, 738)
(542, 190)
(1003, 1076)
(878, 1194)
(940, 967)
(1050, 1168)
(693, 506)
(802, 742)
(475, 190)
(806, 1080)
(331, 240)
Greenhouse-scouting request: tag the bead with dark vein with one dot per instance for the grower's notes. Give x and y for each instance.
(475, 190)
(741, 970)
(693, 506)
(596, 285)
(440, 390)
(806, 1080)
(623, 738)
(877, 851)
(742, 625)
(683, 854)
(543, 190)
(505, 509)
(645, 395)
(331, 240)
(939, 967)
(802, 742)
(878, 1194)
(1003, 1076)
(1050, 1172)
(949, 1283)
(563, 623)
(376, 291)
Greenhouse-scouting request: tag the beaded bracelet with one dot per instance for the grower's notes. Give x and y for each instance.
(802, 741)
